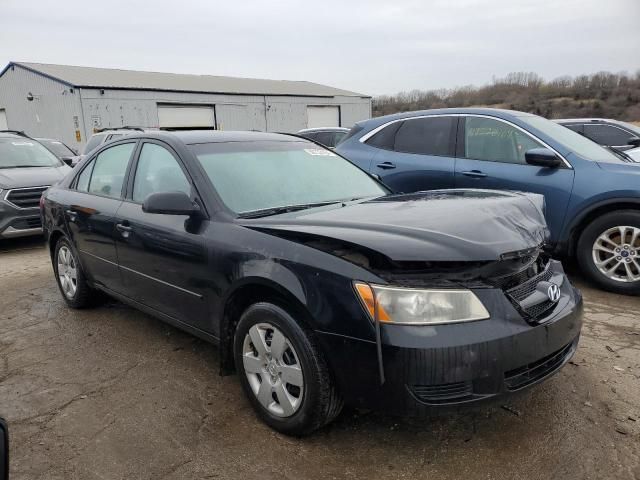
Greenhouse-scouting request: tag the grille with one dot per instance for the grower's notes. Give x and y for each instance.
(25, 197)
(525, 289)
(25, 223)
(535, 264)
(516, 294)
(531, 373)
(444, 393)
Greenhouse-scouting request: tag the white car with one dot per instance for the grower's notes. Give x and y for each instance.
(634, 153)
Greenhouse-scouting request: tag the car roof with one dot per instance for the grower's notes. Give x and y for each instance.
(493, 112)
(324, 129)
(585, 120)
(190, 137)
(12, 135)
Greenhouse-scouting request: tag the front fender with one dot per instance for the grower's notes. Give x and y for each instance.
(581, 211)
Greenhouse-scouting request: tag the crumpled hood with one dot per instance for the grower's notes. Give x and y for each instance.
(440, 225)
(32, 176)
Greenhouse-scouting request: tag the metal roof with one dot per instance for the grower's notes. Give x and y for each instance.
(108, 78)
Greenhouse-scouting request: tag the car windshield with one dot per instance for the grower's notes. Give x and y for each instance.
(255, 176)
(575, 142)
(59, 149)
(20, 153)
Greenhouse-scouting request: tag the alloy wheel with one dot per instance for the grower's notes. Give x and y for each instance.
(616, 253)
(67, 272)
(273, 370)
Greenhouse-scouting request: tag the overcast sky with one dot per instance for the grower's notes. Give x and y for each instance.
(372, 47)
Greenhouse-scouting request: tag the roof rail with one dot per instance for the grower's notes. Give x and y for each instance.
(125, 127)
(15, 132)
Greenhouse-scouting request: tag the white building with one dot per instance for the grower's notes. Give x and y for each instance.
(68, 103)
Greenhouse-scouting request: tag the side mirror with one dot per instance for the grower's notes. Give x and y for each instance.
(170, 203)
(542, 157)
(635, 141)
(4, 450)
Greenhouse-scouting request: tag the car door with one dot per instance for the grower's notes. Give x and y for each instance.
(163, 258)
(90, 209)
(416, 153)
(491, 154)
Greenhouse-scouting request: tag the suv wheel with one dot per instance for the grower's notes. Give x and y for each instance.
(71, 280)
(609, 251)
(282, 371)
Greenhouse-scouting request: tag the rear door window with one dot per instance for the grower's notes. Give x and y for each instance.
(496, 141)
(607, 135)
(82, 184)
(109, 170)
(426, 136)
(385, 138)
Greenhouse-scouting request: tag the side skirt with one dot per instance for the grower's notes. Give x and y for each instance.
(161, 316)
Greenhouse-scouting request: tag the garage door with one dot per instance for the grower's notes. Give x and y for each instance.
(3, 119)
(232, 117)
(328, 116)
(172, 116)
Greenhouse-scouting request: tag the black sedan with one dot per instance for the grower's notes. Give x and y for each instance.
(319, 285)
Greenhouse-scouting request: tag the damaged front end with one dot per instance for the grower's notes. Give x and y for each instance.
(464, 300)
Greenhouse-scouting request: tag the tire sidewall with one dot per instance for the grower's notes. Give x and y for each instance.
(585, 246)
(300, 421)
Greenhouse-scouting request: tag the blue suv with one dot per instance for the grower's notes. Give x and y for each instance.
(592, 195)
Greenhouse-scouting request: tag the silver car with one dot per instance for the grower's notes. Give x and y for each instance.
(26, 170)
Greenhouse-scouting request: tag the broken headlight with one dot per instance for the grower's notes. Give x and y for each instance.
(412, 306)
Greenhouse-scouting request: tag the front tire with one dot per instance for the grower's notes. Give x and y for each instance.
(70, 278)
(608, 252)
(282, 371)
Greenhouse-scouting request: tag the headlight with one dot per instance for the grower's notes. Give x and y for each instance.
(412, 306)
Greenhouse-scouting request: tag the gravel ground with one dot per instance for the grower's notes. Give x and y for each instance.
(112, 393)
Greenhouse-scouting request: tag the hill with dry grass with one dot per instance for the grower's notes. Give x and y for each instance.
(603, 94)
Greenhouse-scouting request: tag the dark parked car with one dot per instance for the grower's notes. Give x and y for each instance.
(604, 131)
(318, 285)
(60, 150)
(328, 136)
(592, 194)
(26, 170)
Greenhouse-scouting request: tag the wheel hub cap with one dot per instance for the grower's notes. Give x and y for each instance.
(615, 253)
(273, 370)
(67, 272)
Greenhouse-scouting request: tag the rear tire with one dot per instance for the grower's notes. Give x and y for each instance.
(286, 379)
(608, 252)
(70, 278)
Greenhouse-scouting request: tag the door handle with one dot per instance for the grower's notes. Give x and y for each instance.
(125, 230)
(386, 165)
(474, 174)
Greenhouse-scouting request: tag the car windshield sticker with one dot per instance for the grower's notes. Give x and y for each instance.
(320, 152)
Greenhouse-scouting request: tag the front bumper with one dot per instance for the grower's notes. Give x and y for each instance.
(18, 222)
(449, 365)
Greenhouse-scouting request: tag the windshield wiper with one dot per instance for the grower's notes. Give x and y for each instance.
(620, 154)
(266, 212)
